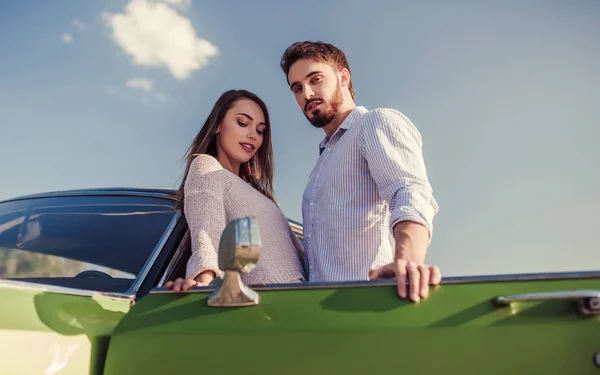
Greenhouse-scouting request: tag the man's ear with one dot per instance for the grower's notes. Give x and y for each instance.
(345, 77)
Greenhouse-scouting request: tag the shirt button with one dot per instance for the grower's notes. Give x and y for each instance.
(312, 204)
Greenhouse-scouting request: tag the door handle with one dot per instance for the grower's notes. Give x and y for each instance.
(588, 300)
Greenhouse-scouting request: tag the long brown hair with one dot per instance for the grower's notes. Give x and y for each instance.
(258, 171)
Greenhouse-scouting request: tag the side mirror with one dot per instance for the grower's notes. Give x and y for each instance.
(239, 249)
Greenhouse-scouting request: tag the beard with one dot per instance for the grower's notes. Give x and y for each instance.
(328, 111)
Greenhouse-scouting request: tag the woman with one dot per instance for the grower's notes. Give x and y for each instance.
(229, 174)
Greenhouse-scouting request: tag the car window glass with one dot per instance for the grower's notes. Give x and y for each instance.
(108, 237)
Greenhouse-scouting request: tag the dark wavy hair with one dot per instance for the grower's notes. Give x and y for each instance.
(258, 171)
(319, 52)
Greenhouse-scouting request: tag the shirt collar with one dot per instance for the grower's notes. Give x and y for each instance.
(345, 125)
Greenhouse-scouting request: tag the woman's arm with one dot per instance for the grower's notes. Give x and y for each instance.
(204, 208)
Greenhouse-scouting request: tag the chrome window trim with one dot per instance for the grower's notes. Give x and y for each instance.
(18, 284)
(98, 193)
(176, 258)
(141, 276)
(540, 276)
(392, 282)
(297, 229)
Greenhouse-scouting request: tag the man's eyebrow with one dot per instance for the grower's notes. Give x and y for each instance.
(307, 76)
(250, 117)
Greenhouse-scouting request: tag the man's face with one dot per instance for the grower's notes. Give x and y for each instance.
(317, 89)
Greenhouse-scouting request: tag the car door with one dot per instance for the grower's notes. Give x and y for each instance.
(507, 324)
(362, 328)
(70, 268)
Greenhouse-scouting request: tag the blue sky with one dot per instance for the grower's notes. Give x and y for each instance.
(504, 95)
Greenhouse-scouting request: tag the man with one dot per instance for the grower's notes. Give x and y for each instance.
(368, 207)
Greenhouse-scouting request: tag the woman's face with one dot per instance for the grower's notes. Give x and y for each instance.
(240, 134)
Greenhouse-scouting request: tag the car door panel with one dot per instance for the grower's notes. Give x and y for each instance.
(361, 329)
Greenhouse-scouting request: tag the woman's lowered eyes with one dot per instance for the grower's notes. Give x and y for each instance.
(243, 125)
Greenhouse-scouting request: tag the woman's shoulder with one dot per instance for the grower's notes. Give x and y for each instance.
(204, 164)
(206, 173)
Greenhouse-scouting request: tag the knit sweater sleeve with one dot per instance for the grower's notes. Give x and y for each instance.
(205, 190)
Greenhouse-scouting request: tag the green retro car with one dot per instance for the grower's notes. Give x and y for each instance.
(81, 290)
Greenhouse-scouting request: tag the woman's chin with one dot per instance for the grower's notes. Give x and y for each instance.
(243, 160)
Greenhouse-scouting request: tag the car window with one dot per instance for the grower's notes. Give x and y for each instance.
(83, 242)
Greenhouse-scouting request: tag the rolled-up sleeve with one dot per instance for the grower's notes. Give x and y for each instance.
(392, 147)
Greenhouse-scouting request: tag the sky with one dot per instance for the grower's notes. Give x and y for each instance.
(111, 94)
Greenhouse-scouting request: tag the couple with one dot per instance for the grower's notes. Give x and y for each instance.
(367, 210)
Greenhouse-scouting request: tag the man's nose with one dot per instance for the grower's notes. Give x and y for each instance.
(308, 93)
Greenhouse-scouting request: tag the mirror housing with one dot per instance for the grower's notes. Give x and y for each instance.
(239, 249)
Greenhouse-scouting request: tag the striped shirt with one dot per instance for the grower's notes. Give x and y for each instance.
(369, 176)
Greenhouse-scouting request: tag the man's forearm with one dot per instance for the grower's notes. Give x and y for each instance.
(411, 241)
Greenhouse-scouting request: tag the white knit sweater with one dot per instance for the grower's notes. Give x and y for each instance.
(213, 197)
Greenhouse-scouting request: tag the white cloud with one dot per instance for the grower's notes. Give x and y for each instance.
(141, 83)
(154, 34)
(146, 85)
(181, 4)
(79, 24)
(66, 38)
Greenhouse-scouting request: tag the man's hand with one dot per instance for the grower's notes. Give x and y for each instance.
(408, 272)
(412, 240)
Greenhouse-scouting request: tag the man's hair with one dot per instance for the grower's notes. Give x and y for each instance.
(316, 51)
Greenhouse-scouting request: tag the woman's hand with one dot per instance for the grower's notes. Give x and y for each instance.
(203, 279)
